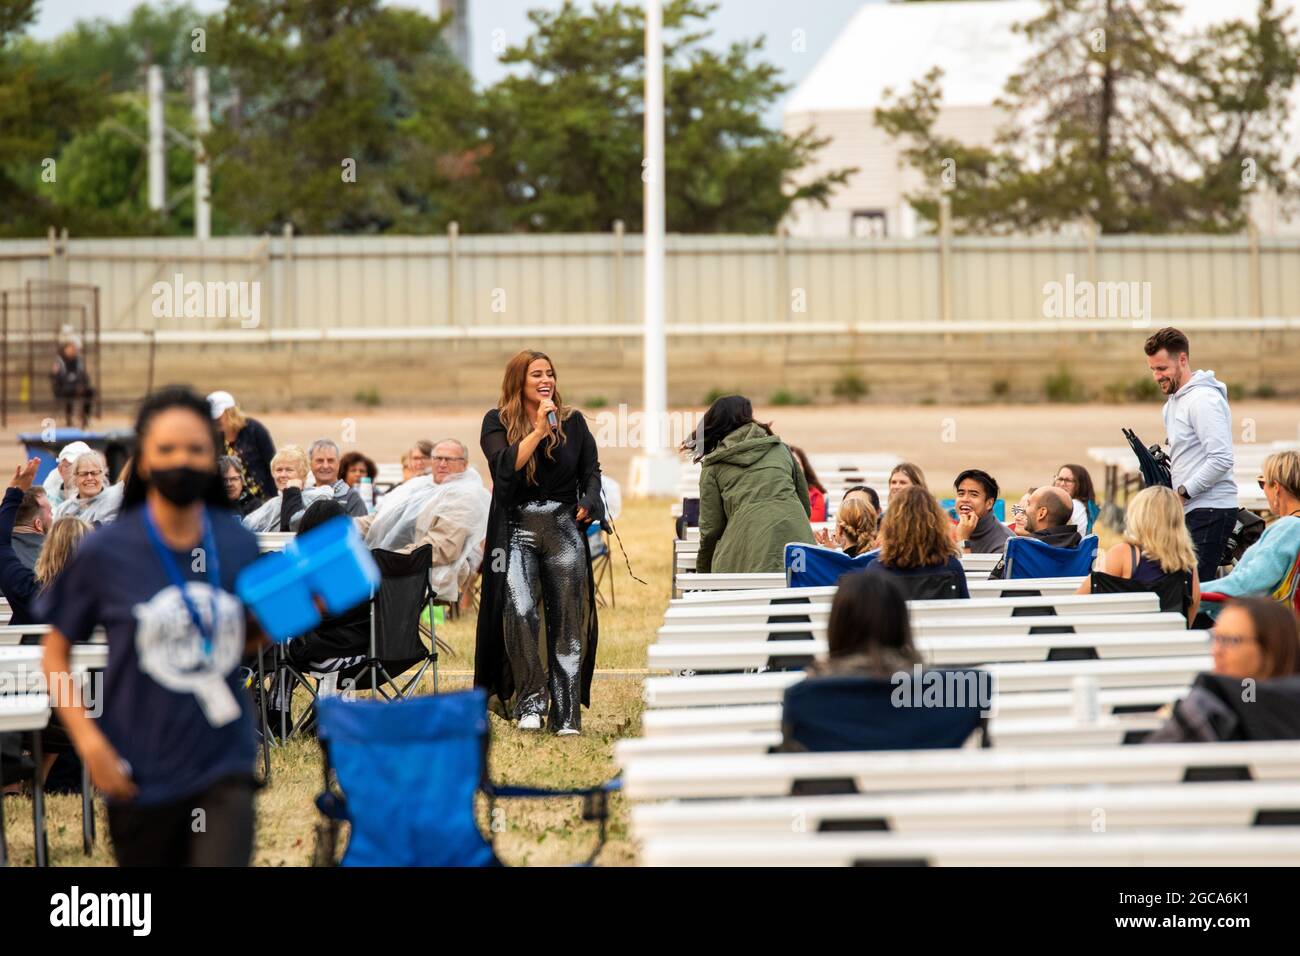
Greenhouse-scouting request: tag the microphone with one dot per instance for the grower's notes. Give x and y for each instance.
(552, 420)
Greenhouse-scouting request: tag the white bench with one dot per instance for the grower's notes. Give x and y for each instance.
(13, 635)
(1123, 703)
(943, 651)
(1203, 806)
(736, 612)
(757, 595)
(935, 625)
(721, 690)
(1053, 732)
(1271, 846)
(786, 774)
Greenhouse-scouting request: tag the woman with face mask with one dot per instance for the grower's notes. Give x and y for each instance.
(176, 734)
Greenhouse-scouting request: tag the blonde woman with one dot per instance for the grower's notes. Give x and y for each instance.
(247, 439)
(1267, 564)
(855, 525)
(1156, 544)
(94, 499)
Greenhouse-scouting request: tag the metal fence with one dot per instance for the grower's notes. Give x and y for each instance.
(432, 287)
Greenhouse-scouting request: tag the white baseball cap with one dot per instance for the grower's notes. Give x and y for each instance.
(74, 450)
(219, 402)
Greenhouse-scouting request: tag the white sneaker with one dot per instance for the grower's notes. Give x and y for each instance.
(530, 722)
(568, 732)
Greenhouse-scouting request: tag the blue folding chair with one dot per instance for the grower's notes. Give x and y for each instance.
(854, 713)
(1031, 558)
(810, 566)
(407, 774)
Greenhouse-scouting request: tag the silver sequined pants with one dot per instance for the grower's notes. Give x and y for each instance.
(546, 567)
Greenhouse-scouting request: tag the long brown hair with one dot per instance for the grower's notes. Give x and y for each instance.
(1275, 632)
(915, 532)
(511, 407)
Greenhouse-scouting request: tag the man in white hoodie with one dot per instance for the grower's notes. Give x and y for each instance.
(1198, 425)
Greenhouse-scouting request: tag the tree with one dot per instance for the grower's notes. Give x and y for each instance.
(37, 115)
(562, 143)
(1117, 119)
(325, 89)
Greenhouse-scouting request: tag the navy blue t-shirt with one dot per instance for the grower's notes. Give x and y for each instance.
(177, 715)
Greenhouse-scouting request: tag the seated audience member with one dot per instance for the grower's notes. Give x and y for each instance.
(70, 379)
(1020, 513)
(816, 490)
(323, 460)
(850, 701)
(1268, 562)
(1156, 544)
(868, 632)
(450, 513)
(95, 500)
(354, 466)
(978, 531)
(59, 484)
(915, 543)
(31, 522)
(1075, 481)
(1254, 640)
(284, 511)
(241, 499)
(866, 492)
(906, 475)
(417, 463)
(246, 439)
(856, 523)
(1047, 519)
(20, 584)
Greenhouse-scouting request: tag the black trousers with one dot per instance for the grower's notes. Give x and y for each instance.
(212, 828)
(1210, 529)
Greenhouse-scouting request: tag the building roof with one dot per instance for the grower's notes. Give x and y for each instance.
(889, 45)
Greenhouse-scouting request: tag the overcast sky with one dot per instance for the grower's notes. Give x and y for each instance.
(778, 20)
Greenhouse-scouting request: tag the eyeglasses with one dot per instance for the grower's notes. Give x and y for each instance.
(1017, 510)
(233, 480)
(1262, 482)
(1066, 481)
(90, 474)
(1229, 640)
(444, 460)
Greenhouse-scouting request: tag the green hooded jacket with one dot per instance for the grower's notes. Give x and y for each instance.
(753, 501)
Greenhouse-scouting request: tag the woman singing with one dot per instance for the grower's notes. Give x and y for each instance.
(545, 493)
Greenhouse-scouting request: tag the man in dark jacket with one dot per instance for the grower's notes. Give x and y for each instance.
(1047, 519)
(31, 523)
(978, 530)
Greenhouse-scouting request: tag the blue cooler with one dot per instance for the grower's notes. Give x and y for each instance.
(330, 562)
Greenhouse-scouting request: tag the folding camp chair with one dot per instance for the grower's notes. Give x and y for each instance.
(855, 713)
(602, 568)
(396, 639)
(811, 566)
(1031, 558)
(407, 774)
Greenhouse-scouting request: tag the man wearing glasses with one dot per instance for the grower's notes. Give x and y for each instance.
(450, 513)
(1198, 424)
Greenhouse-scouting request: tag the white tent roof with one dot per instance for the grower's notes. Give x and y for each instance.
(889, 45)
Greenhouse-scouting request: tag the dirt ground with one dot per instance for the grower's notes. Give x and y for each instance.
(1020, 445)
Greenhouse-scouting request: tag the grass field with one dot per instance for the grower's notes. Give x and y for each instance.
(535, 832)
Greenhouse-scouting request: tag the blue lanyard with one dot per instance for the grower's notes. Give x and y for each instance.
(211, 567)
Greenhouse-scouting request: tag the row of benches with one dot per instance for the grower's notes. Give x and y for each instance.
(1056, 787)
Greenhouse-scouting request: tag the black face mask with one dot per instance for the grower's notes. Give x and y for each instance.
(181, 486)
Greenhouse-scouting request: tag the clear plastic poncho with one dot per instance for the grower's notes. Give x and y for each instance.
(267, 517)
